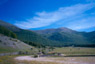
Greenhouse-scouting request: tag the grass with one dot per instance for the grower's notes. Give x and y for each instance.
(35, 62)
(7, 60)
(65, 60)
(64, 50)
(7, 49)
(75, 50)
(10, 60)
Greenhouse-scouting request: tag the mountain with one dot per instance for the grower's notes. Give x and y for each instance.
(68, 37)
(50, 31)
(90, 36)
(27, 35)
(53, 37)
(8, 44)
(9, 26)
(7, 32)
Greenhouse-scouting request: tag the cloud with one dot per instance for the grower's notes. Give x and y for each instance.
(84, 23)
(91, 1)
(43, 19)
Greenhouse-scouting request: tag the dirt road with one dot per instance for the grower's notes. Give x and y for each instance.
(62, 60)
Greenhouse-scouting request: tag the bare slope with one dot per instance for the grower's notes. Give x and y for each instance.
(8, 44)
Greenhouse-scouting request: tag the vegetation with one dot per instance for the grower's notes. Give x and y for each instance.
(35, 56)
(75, 50)
(37, 62)
(7, 60)
(10, 60)
(27, 35)
(53, 37)
(38, 45)
(7, 32)
(7, 49)
(8, 44)
(32, 37)
(67, 37)
(53, 60)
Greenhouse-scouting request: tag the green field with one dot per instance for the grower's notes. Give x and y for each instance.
(7, 49)
(10, 49)
(48, 60)
(75, 50)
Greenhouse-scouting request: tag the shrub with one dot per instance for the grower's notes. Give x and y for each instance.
(35, 56)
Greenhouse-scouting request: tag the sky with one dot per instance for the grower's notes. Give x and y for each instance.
(77, 15)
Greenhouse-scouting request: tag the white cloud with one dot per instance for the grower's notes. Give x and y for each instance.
(91, 1)
(43, 19)
(85, 23)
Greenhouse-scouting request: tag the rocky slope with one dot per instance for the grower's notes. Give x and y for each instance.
(8, 44)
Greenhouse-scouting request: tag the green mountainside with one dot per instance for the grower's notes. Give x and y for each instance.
(10, 43)
(27, 35)
(7, 32)
(53, 37)
(69, 37)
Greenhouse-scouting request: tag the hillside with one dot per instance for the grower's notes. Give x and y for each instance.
(53, 37)
(9, 26)
(27, 35)
(68, 37)
(50, 31)
(8, 44)
(7, 32)
(90, 36)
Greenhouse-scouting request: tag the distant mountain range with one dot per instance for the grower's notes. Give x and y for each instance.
(53, 37)
(68, 37)
(27, 35)
(50, 31)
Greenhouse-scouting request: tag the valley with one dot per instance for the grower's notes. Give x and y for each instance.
(47, 31)
(50, 46)
(46, 60)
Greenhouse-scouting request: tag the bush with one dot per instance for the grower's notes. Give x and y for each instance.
(35, 56)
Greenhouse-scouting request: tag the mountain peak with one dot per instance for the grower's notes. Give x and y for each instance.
(49, 31)
(62, 28)
(9, 26)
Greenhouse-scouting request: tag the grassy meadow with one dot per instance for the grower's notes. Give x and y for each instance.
(56, 60)
(75, 50)
(7, 50)
(11, 60)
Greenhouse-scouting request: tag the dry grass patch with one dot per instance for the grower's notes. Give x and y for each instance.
(75, 50)
(7, 60)
(34, 62)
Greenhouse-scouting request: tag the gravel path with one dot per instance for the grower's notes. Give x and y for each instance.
(65, 60)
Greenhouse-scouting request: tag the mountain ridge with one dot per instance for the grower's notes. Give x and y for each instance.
(27, 35)
(47, 31)
(53, 37)
(65, 35)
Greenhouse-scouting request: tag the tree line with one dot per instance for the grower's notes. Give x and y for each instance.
(7, 32)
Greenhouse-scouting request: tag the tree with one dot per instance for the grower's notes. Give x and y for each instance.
(7, 32)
